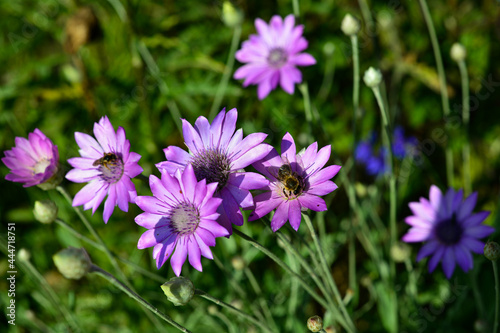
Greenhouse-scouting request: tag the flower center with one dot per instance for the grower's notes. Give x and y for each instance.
(184, 219)
(277, 57)
(41, 166)
(449, 232)
(212, 165)
(111, 167)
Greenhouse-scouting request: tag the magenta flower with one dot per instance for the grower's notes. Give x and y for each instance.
(107, 165)
(181, 218)
(33, 161)
(272, 56)
(218, 154)
(449, 228)
(296, 182)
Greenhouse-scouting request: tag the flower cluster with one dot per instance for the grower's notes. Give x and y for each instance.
(375, 161)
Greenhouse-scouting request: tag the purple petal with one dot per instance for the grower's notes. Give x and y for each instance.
(194, 253)
(280, 216)
(464, 258)
(325, 174)
(228, 127)
(312, 202)
(179, 256)
(475, 219)
(472, 244)
(247, 180)
(479, 231)
(150, 220)
(448, 262)
(231, 208)
(323, 188)
(294, 214)
(242, 197)
(436, 258)
(467, 207)
(215, 228)
(203, 127)
(152, 205)
(264, 204)
(191, 138)
(204, 249)
(416, 235)
(89, 147)
(289, 76)
(110, 203)
(288, 150)
(427, 249)
(302, 59)
(177, 155)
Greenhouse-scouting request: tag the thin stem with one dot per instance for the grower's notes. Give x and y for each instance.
(240, 313)
(296, 9)
(110, 256)
(304, 89)
(136, 297)
(98, 246)
(280, 262)
(258, 292)
(465, 118)
(328, 275)
(497, 297)
(477, 295)
(442, 84)
(227, 72)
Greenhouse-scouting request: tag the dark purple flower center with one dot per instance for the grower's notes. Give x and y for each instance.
(111, 167)
(449, 232)
(184, 218)
(277, 57)
(212, 165)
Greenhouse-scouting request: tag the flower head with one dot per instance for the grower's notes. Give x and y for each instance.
(272, 56)
(449, 229)
(107, 164)
(218, 154)
(181, 218)
(33, 161)
(296, 182)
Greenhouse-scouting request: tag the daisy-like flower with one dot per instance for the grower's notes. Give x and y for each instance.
(107, 164)
(33, 161)
(296, 182)
(449, 229)
(218, 154)
(181, 218)
(272, 56)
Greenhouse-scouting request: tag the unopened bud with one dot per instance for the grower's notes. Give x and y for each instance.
(231, 16)
(329, 48)
(400, 252)
(492, 251)
(72, 263)
(350, 25)
(458, 52)
(238, 263)
(315, 324)
(179, 290)
(45, 211)
(372, 77)
(24, 255)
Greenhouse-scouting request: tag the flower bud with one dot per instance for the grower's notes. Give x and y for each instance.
(238, 263)
(350, 25)
(24, 255)
(315, 324)
(372, 77)
(458, 52)
(179, 290)
(329, 48)
(492, 251)
(45, 211)
(400, 252)
(231, 16)
(72, 263)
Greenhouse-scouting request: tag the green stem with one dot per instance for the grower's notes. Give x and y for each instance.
(231, 308)
(280, 262)
(296, 9)
(136, 297)
(258, 292)
(442, 84)
(108, 253)
(328, 275)
(227, 72)
(497, 298)
(465, 118)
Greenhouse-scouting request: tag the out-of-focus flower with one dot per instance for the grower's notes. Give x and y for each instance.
(296, 183)
(449, 229)
(350, 25)
(375, 160)
(33, 161)
(108, 165)
(181, 218)
(271, 56)
(218, 154)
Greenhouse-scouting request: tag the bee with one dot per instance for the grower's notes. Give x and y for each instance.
(292, 182)
(108, 158)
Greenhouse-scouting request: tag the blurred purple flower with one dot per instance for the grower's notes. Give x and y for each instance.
(376, 161)
(272, 56)
(181, 218)
(296, 182)
(449, 229)
(107, 165)
(218, 154)
(32, 161)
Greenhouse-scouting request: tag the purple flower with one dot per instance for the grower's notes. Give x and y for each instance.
(107, 165)
(33, 161)
(271, 56)
(449, 228)
(296, 182)
(218, 154)
(181, 218)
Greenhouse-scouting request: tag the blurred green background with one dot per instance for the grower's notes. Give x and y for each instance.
(144, 62)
